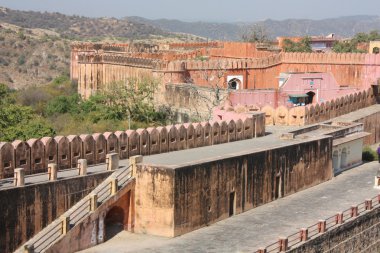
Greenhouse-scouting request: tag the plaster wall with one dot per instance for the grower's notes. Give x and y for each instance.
(27, 210)
(179, 200)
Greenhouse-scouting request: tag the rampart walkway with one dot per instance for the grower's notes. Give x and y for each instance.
(263, 225)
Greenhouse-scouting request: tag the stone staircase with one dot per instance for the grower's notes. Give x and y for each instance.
(75, 215)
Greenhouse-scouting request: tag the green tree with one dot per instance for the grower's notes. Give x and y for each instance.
(19, 122)
(346, 47)
(304, 46)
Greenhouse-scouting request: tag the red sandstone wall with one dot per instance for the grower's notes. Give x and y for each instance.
(8, 162)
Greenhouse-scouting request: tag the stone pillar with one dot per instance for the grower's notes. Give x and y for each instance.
(82, 167)
(114, 186)
(133, 161)
(321, 226)
(19, 177)
(368, 204)
(52, 171)
(304, 234)
(112, 161)
(377, 181)
(262, 250)
(354, 211)
(283, 244)
(339, 218)
(29, 249)
(93, 202)
(65, 224)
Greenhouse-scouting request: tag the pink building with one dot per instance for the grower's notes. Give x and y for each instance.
(294, 89)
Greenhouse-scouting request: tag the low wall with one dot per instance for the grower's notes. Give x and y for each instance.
(27, 210)
(174, 200)
(358, 235)
(34, 155)
(311, 114)
(93, 229)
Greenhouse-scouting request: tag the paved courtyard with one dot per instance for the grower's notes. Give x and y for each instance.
(263, 225)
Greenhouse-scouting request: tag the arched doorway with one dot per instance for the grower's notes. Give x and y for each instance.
(376, 50)
(234, 84)
(343, 159)
(114, 222)
(311, 97)
(336, 161)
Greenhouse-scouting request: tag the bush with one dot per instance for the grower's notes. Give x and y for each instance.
(369, 155)
(21, 60)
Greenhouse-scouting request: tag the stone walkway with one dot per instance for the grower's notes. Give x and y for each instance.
(62, 174)
(263, 225)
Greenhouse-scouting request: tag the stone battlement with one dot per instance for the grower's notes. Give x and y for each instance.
(34, 155)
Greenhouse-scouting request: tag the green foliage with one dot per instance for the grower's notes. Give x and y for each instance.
(19, 122)
(304, 46)
(369, 155)
(345, 47)
(25, 114)
(62, 105)
(351, 46)
(21, 60)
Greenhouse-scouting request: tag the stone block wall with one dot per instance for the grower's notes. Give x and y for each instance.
(174, 200)
(357, 235)
(34, 155)
(25, 210)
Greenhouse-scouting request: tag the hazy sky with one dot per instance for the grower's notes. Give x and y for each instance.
(203, 10)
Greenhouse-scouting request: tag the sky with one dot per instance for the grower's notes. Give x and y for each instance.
(203, 10)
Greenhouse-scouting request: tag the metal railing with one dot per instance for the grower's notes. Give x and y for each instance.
(49, 235)
(317, 229)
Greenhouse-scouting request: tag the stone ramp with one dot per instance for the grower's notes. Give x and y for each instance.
(54, 232)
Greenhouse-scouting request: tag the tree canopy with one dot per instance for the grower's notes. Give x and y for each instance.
(351, 46)
(58, 109)
(304, 46)
(18, 121)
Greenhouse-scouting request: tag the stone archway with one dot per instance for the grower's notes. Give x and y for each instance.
(234, 84)
(114, 222)
(311, 98)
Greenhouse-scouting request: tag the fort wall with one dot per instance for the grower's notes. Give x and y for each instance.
(227, 186)
(260, 69)
(25, 210)
(65, 151)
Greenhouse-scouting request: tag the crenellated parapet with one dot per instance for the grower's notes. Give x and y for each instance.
(213, 44)
(34, 155)
(116, 59)
(227, 64)
(313, 113)
(331, 58)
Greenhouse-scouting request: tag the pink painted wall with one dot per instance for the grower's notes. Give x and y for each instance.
(325, 87)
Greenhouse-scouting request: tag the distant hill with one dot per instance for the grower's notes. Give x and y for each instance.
(31, 56)
(35, 47)
(343, 26)
(77, 27)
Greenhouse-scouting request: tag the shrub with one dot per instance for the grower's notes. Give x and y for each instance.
(369, 155)
(21, 60)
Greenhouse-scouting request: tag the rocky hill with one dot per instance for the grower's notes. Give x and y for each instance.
(31, 56)
(77, 27)
(343, 26)
(35, 47)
